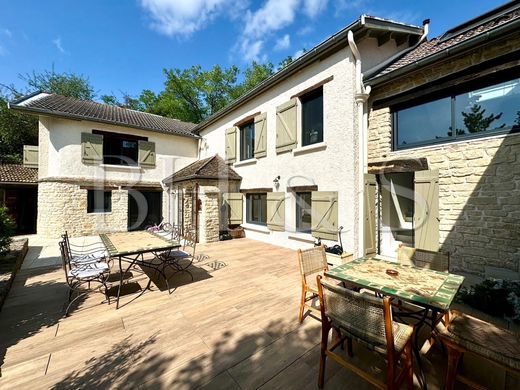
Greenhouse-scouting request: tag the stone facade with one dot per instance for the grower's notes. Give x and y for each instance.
(479, 179)
(65, 209)
(209, 216)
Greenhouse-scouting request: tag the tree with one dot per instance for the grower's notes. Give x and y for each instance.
(128, 102)
(66, 84)
(253, 75)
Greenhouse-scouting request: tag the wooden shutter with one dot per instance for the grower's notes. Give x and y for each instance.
(276, 211)
(369, 211)
(231, 145)
(91, 148)
(286, 121)
(147, 154)
(233, 206)
(324, 215)
(30, 156)
(426, 213)
(261, 135)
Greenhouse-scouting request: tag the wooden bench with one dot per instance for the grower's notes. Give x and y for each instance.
(464, 333)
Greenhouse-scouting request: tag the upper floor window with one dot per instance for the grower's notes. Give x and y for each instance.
(247, 141)
(120, 149)
(312, 117)
(256, 208)
(487, 110)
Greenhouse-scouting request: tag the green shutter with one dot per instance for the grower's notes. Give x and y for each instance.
(91, 148)
(30, 156)
(426, 213)
(233, 207)
(261, 135)
(276, 211)
(369, 211)
(324, 211)
(147, 154)
(231, 145)
(286, 124)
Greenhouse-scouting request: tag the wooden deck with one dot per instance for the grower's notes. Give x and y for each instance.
(234, 327)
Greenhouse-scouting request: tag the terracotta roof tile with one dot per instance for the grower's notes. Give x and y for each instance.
(17, 173)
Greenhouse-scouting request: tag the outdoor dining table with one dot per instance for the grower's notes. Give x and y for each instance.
(432, 291)
(131, 247)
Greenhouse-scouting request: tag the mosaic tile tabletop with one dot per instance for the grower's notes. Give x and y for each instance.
(126, 243)
(420, 286)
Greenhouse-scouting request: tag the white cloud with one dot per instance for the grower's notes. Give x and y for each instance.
(283, 43)
(251, 50)
(273, 16)
(312, 8)
(184, 17)
(298, 54)
(7, 32)
(57, 42)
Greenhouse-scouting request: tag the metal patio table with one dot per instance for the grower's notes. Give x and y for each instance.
(432, 291)
(131, 247)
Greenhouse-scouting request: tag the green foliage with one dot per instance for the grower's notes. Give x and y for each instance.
(66, 84)
(128, 102)
(7, 227)
(496, 297)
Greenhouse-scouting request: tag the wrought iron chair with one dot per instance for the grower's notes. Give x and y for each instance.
(87, 254)
(368, 320)
(312, 262)
(181, 260)
(422, 258)
(77, 276)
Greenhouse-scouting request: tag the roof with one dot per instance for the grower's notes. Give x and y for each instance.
(68, 107)
(17, 173)
(359, 27)
(468, 33)
(209, 168)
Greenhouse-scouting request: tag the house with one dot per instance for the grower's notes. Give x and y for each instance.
(444, 148)
(296, 142)
(100, 167)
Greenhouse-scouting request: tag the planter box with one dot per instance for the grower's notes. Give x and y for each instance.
(335, 260)
(237, 232)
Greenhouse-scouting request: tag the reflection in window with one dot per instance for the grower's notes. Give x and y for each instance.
(256, 208)
(303, 212)
(312, 117)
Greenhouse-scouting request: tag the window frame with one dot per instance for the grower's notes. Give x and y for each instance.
(452, 93)
(309, 95)
(121, 137)
(298, 209)
(249, 212)
(91, 201)
(248, 126)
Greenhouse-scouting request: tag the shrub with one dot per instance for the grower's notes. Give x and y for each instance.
(6, 230)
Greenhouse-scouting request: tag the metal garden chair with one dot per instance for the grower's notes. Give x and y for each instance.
(368, 320)
(181, 260)
(87, 254)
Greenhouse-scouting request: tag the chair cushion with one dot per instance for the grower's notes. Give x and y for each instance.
(88, 270)
(88, 258)
(483, 338)
(179, 254)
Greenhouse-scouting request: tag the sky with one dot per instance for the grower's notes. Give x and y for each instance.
(122, 46)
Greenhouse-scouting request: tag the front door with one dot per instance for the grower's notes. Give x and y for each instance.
(144, 209)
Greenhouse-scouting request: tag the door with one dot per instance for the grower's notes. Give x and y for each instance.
(144, 209)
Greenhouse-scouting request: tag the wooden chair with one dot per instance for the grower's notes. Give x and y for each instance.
(422, 258)
(464, 333)
(368, 320)
(312, 262)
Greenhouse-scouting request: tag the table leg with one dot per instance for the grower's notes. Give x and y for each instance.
(120, 282)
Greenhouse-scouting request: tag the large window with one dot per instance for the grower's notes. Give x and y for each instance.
(99, 201)
(312, 117)
(477, 112)
(120, 149)
(256, 208)
(247, 141)
(303, 212)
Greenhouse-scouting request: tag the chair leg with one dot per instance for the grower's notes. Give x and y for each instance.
(302, 306)
(454, 356)
(349, 347)
(409, 365)
(325, 328)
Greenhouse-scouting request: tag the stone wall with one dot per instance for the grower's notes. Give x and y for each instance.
(63, 207)
(209, 217)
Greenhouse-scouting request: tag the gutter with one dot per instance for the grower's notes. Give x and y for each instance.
(450, 51)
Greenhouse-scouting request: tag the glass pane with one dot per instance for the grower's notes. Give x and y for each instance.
(489, 109)
(312, 117)
(247, 141)
(256, 208)
(117, 151)
(427, 122)
(99, 201)
(303, 212)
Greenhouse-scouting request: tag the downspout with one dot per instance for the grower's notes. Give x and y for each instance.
(361, 95)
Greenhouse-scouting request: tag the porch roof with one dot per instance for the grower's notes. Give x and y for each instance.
(18, 173)
(209, 168)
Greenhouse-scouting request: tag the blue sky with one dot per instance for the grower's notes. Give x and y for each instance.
(123, 46)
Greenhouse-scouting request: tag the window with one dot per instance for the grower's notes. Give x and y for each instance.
(120, 149)
(99, 201)
(303, 212)
(312, 117)
(247, 141)
(256, 208)
(477, 112)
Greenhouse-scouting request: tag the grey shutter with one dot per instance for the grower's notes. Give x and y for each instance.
(276, 211)
(30, 156)
(233, 206)
(231, 145)
(261, 135)
(147, 154)
(369, 212)
(426, 213)
(324, 215)
(286, 124)
(91, 148)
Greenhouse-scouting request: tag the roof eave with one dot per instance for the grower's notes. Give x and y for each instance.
(170, 180)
